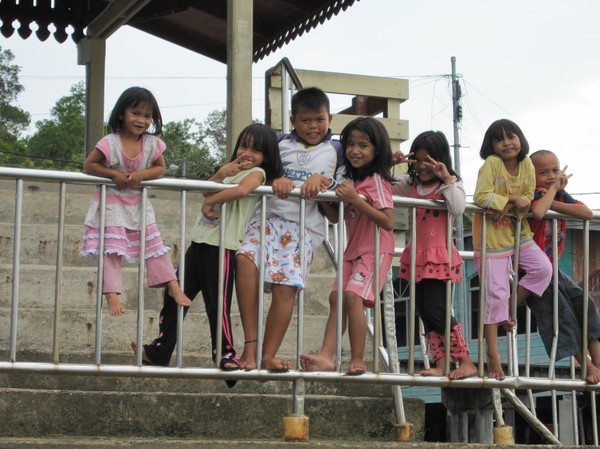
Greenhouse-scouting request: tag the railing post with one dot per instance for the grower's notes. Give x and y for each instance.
(100, 276)
(58, 272)
(14, 302)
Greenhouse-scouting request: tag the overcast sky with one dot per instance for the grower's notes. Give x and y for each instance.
(535, 62)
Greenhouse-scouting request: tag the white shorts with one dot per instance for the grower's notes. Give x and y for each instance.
(281, 251)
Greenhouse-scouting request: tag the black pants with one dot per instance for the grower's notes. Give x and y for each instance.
(201, 275)
(570, 317)
(430, 301)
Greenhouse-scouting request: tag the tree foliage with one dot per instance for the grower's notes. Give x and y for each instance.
(58, 142)
(13, 120)
(194, 149)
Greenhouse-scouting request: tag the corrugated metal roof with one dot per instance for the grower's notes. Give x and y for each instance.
(198, 25)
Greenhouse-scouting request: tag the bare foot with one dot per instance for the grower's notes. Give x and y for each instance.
(177, 294)
(273, 364)
(435, 371)
(495, 370)
(464, 370)
(593, 374)
(144, 356)
(248, 358)
(316, 362)
(357, 367)
(114, 305)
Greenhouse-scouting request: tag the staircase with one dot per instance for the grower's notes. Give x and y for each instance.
(73, 410)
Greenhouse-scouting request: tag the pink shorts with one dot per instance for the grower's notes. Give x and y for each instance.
(358, 276)
(538, 273)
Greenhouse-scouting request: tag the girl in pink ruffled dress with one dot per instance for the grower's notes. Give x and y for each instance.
(431, 176)
(128, 156)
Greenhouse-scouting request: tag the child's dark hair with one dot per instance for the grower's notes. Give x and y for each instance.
(436, 144)
(131, 97)
(496, 132)
(378, 136)
(311, 98)
(262, 138)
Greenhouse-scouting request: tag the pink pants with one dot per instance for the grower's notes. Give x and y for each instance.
(159, 271)
(538, 273)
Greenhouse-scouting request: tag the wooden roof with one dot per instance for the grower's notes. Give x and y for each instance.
(198, 25)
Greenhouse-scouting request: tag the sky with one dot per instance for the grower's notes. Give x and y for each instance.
(535, 62)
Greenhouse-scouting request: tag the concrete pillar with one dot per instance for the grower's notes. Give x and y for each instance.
(239, 68)
(92, 54)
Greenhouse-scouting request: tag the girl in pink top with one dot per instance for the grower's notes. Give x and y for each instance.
(368, 162)
(431, 176)
(128, 156)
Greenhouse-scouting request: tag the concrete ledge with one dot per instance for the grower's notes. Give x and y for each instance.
(187, 415)
(246, 443)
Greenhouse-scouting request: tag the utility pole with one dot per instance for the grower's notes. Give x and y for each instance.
(459, 236)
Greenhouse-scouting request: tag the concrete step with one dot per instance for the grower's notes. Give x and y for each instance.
(78, 288)
(77, 331)
(39, 244)
(40, 215)
(194, 415)
(276, 443)
(227, 443)
(41, 203)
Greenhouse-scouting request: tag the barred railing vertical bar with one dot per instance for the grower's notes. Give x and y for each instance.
(340, 287)
(498, 415)
(261, 283)
(141, 273)
(594, 417)
(554, 408)
(16, 272)
(411, 302)
(300, 311)
(575, 417)
(530, 399)
(336, 238)
(482, 293)
(513, 362)
(100, 277)
(389, 319)
(58, 273)
(298, 384)
(448, 318)
(181, 275)
(376, 307)
(423, 342)
(220, 289)
(553, 349)
(586, 293)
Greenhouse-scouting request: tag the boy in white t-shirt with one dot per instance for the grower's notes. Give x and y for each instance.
(310, 159)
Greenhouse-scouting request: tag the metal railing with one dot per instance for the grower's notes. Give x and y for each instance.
(391, 374)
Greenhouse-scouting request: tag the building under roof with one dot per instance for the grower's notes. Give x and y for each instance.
(211, 28)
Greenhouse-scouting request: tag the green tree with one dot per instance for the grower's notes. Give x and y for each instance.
(13, 120)
(215, 133)
(59, 141)
(195, 149)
